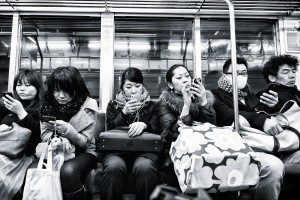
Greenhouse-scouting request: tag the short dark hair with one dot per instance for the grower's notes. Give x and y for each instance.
(170, 74)
(132, 74)
(69, 80)
(272, 66)
(239, 60)
(34, 79)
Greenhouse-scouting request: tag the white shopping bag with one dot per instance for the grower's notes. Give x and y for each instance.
(43, 184)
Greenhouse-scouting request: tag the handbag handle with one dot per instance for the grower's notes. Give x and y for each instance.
(49, 157)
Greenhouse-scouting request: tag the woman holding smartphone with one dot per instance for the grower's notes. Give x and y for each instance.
(133, 109)
(68, 100)
(21, 108)
(185, 101)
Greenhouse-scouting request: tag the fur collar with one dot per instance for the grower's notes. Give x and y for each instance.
(175, 101)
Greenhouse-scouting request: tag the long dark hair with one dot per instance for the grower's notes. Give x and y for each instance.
(33, 78)
(132, 74)
(69, 80)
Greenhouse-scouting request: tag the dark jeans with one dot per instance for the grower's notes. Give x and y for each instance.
(115, 171)
(73, 171)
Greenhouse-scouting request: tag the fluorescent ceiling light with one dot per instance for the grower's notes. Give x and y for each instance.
(6, 45)
(31, 39)
(177, 47)
(138, 46)
(94, 45)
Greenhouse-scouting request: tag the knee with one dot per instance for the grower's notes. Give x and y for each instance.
(276, 169)
(144, 166)
(67, 170)
(114, 165)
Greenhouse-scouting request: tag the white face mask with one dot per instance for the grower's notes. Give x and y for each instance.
(241, 81)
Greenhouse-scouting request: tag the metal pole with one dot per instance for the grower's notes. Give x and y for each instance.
(233, 64)
(15, 50)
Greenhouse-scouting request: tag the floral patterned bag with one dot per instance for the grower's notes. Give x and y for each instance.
(216, 159)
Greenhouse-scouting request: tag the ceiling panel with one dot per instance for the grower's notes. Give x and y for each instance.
(204, 8)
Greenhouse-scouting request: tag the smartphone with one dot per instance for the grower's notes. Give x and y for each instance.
(7, 93)
(197, 80)
(272, 86)
(46, 118)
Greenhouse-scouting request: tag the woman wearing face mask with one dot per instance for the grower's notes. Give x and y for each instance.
(132, 108)
(22, 109)
(68, 100)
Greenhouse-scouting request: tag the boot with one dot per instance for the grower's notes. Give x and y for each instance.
(78, 195)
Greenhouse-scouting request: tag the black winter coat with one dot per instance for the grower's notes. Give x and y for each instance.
(170, 107)
(285, 93)
(225, 112)
(31, 122)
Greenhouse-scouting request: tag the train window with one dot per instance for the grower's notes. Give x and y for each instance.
(5, 38)
(152, 45)
(254, 40)
(51, 42)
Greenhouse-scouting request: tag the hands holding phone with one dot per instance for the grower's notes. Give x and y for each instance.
(131, 106)
(14, 105)
(59, 125)
(270, 99)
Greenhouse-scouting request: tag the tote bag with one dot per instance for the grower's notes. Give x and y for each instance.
(43, 184)
(216, 159)
(288, 140)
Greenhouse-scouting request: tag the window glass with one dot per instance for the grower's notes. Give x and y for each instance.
(153, 45)
(254, 41)
(5, 37)
(63, 41)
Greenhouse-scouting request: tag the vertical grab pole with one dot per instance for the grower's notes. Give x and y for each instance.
(233, 64)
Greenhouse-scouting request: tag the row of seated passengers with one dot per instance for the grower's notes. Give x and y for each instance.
(67, 99)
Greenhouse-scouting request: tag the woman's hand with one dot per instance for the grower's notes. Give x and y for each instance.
(136, 128)
(14, 106)
(187, 95)
(61, 126)
(131, 106)
(187, 100)
(198, 91)
(270, 99)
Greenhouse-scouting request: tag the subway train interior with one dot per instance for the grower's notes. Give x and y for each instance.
(102, 38)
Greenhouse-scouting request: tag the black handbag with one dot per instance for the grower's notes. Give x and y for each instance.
(118, 140)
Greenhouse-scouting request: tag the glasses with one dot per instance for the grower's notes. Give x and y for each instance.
(287, 71)
(243, 73)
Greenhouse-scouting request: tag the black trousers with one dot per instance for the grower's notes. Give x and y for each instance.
(115, 171)
(73, 171)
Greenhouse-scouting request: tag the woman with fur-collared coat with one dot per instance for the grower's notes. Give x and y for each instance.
(184, 102)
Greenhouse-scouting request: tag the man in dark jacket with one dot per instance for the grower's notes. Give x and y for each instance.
(271, 172)
(248, 103)
(280, 74)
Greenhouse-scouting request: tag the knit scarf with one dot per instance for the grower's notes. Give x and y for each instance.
(122, 99)
(224, 84)
(63, 112)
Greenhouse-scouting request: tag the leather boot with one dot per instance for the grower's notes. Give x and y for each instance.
(78, 195)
